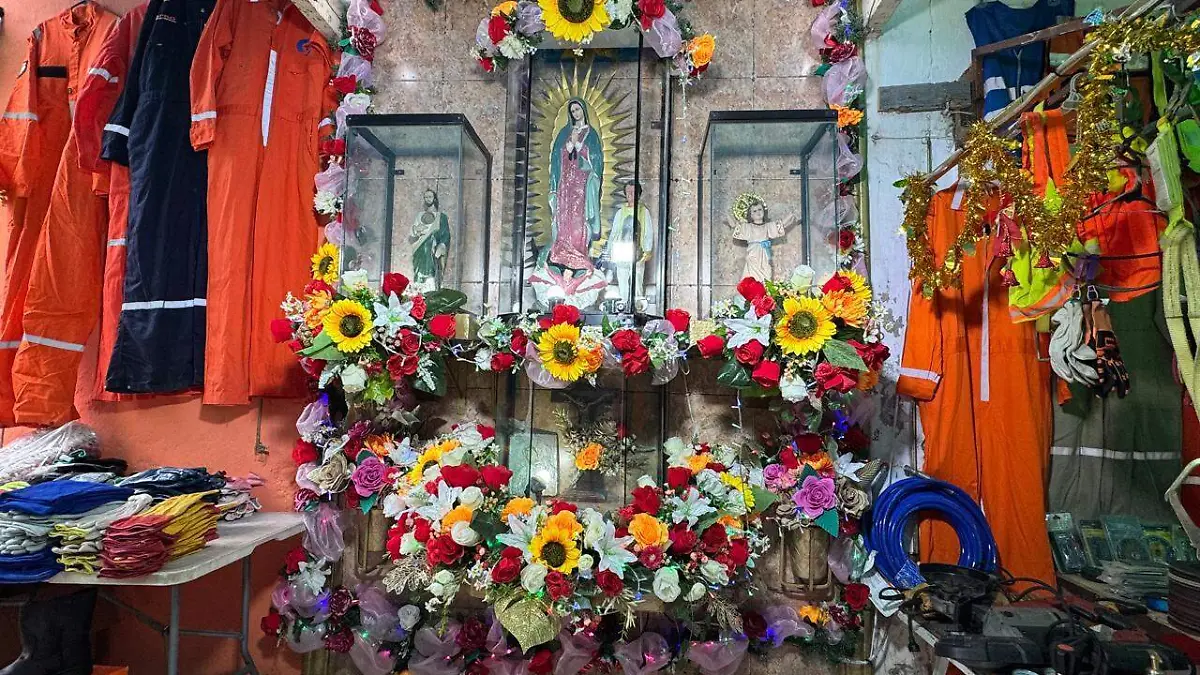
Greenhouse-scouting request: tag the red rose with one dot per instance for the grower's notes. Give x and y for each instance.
(346, 84)
(472, 635)
(352, 500)
(788, 459)
(753, 623)
(626, 513)
(443, 551)
(739, 552)
(855, 440)
(564, 314)
(711, 345)
(294, 345)
(281, 330)
(750, 353)
(460, 476)
(652, 557)
(394, 282)
(495, 476)
(393, 544)
(679, 319)
(714, 540)
(635, 362)
(317, 286)
(542, 661)
(832, 378)
(519, 341)
(751, 288)
(477, 668)
(837, 282)
(678, 477)
(487, 64)
(683, 539)
(418, 310)
(422, 530)
(410, 342)
(763, 305)
(716, 466)
(485, 431)
(856, 596)
(443, 326)
(626, 340)
(272, 622)
(506, 570)
(846, 239)
(873, 354)
(766, 374)
(291, 561)
(400, 366)
(502, 361)
(334, 147)
(836, 52)
(646, 500)
(850, 527)
(651, 10)
(558, 585)
(498, 28)
(510, 552)
(610, 583)
(303, 452)
(558, 506)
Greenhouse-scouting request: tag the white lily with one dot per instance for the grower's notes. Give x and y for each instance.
(393, 316)
(692, 509)
(747, 330)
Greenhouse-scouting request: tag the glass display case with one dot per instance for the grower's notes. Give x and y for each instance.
(586, 187)
(417, 201)
(768, 198)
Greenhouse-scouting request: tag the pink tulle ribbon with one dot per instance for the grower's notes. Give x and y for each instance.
(783, 622)
(434, 652)
(718, 658)
(646, 654)
(577, 652)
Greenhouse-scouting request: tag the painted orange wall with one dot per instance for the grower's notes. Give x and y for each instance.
(175, 431)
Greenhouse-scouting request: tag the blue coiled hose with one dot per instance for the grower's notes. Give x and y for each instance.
(903, 499)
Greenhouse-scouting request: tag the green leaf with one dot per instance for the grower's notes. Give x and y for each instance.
(902, 183)
(485, 525)
(365, 503)
(528, 621)
(379, 389)
(842, 355)
(444, 301)
(437, 372)
(323, 349)
(763, 499)
(822, 69)
(828, 521)
(805, 473)
(606, 325)
(705, 523)
(362, 455)
(732, 374)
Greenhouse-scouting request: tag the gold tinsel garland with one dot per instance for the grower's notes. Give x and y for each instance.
(989, 167)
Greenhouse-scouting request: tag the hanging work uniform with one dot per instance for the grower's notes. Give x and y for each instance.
(1009, 73)
(159, 344)
(260, 85)
(984, 401)
(52, 290)
(97, 98)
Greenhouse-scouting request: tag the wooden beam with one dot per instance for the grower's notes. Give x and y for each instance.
(325, 15)
(878, 13)
(907, 98)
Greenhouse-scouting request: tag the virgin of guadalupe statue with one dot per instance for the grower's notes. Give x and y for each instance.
(576, 172)
(751, 224)
(431, 241)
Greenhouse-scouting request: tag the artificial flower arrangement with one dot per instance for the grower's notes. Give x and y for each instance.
(514, 30)
(833, 627)
(795, 339)
(375, 344)
(595, 446)
(814, 489)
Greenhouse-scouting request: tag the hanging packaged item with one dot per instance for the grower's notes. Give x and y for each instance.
(260, 86)
(159, 344)
(53, 263)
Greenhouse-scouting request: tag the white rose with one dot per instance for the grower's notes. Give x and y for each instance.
(647, 481)
(533, 577)
(463, 535)
(471, 497)
(666, 584)
(444, 577)
(356, 102)
(714, 572)
(793, 388)
(585, 565)
(354, 379)
(453, 457)
(409, 544)
(483, 359)
(356, 279)
(409, 616)
(802, 276)
(436, 589)
(697, 591)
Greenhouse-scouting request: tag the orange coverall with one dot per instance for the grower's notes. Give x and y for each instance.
(97, 98)
(984, 401)
(52, 274)
(260, 87)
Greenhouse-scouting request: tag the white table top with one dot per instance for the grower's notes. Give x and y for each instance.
(237, 540)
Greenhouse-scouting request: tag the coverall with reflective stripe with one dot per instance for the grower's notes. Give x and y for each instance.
(984, 401)
(260, 87)
(160, 336)
(52, 289)
(106, 77)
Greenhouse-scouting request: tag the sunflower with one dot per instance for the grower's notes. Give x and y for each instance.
(431, 455)
(804, 327)
(574, 20)
(558, 349)
(736, 483)
(846, 306)
(858, 285)
(349, 325)
(318, 306)
(555, 544)
(814, 615)
(325, 264)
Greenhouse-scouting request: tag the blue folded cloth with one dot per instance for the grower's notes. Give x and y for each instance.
(62, 497)
(29, 568)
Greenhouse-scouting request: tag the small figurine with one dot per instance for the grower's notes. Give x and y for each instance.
(627, 257)
(431, 241)
(751, 224)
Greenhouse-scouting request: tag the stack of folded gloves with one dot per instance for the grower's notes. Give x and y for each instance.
(236, 502)
(79, 540)
(170, 481)
(193, 521)
(27, 516)
(135, 546)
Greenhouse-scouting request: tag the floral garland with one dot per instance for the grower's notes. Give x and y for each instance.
(1048, 223)
(515, 29)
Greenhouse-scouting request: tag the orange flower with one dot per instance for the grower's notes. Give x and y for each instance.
(820, 462)
(517, 506)
(867, 380)
(701, 48)
(730, 522)
(592, 359)
(379, 444)
(588, 457)
(648, 531)
(847, 117)
(846, 306)
(318, 305)
(566, 521)
(458, 514)
(507, 8)
(814, 615)
(697, 463)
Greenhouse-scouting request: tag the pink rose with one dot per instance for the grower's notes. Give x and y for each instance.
(369, 476)
(815, 496)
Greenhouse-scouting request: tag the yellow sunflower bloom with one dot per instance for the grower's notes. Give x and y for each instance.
(431, 455)
(325, 264)
(555, 545)
(558, 349)
(588, 457)
(349, 325)
(858, 285)
(846, 306)
(814, 615)
(738, 484)
(574, 20)
(804, 327)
